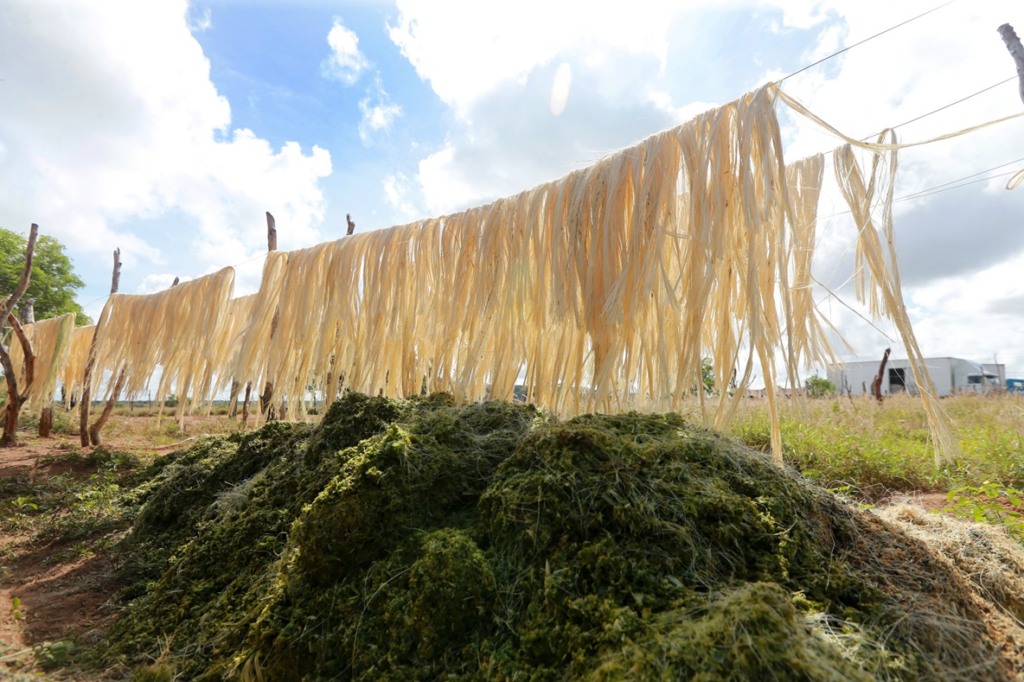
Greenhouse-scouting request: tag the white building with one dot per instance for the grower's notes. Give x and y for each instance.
(950, 376)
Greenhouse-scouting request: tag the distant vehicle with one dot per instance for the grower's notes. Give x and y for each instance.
(1015, 385)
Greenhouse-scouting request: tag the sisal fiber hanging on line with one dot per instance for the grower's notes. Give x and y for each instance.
(178, 331)
(877, 276)
(599, 291)
(606, 289)
(74, 368)
(51, 343)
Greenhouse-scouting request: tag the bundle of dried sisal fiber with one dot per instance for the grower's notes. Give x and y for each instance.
(238, 317)
(603, 290)
(607, 286)
(178, 331)
(74, 368)
(51, 344)
(877, 276)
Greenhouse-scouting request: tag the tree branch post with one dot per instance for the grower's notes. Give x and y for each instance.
(876, 384)
(267, 397)
(115, 279)
(83, 407)
(1016, 51)
(14, 398)
(271, 233)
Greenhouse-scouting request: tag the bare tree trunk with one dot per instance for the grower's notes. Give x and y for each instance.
(267, 403)
(28, 313)
(96, 429)
(15, 399)
(1016, 51)
(271, 233)
(115, 279)
(267, 397)
(46, 422)
(876, 384)
(236, 388)
(245, 404)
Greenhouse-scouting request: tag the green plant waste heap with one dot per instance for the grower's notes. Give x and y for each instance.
(424, 540)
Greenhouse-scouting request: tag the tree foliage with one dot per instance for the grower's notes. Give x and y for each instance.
(817, 387)
(54, 283)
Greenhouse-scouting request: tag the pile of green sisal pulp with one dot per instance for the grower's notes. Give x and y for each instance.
(424, 540)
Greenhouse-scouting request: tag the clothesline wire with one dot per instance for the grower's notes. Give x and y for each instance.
(868, 39)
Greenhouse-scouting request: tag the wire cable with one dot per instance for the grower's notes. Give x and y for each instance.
(869, 38)
(947, 106)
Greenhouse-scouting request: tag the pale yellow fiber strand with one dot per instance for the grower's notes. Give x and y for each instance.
(177, 333)
(603, 290)
(878, 279)
(892, 145)
(51, 343)
(74, 369)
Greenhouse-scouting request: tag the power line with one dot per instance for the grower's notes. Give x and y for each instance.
(962, 99)
(869, 38)
(927, 193)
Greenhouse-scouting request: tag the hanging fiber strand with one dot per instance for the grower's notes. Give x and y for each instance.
(179, 331)
(603, 290)
(606, 289)
(51, 344)
(877, 276)
(74, 368)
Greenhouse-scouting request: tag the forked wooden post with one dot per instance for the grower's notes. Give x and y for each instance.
(15, 398)
(83, 407)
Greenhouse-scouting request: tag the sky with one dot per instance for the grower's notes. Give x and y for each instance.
(168, 128)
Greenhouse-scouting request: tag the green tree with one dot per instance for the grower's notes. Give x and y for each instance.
(54, 282)
(818, 387)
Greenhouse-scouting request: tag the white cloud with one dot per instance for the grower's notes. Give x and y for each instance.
(116, 136)
(345, 63)
(200, 20)
(466, 49)
(396, 190)
(379, 112)
(155, 282)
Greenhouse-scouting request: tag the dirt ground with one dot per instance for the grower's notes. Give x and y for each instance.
(50, 594)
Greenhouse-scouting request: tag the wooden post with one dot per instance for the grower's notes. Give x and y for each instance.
(115, 279)
(28, 312)
(83, 408)
(271, 233)
(95, 431)
(267, 397)
(1016, 51)
(351, 225)
(876, 384)
(236, 388)
(15, 399)
(245, 405)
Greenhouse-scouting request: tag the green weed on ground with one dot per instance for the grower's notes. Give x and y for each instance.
(873, 450)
